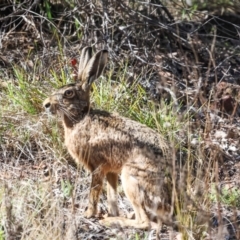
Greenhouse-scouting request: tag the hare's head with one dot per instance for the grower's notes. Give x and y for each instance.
(73, 100)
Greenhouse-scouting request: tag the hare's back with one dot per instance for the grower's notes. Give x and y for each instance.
(128, 135)
(114, 139)
(113, 126)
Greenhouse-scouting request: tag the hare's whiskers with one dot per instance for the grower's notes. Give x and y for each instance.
(70, 115)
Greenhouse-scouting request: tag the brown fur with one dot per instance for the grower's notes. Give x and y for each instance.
(108, 144)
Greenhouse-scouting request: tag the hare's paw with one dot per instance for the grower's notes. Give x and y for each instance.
(108, 221)
(124, 222)
(131, 215)
(89, 213)
(114, 222)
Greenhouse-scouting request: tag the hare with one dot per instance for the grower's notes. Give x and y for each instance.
(108, 145)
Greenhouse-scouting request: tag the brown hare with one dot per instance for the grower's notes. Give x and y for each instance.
(108, 144)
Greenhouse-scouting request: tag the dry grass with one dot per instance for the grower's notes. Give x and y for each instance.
(43, 194)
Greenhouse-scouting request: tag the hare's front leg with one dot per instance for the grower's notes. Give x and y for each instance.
(112, 181)
(96, 187)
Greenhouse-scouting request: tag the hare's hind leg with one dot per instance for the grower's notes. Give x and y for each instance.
(135, 195)
(112, 180)
(132, 190)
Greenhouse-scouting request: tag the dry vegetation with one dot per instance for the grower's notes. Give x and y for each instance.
(172, 67)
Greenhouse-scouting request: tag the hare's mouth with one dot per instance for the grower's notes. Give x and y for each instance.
(50, 108)
(52, 111)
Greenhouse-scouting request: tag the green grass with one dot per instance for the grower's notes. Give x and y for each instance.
(229, 196)
(133, 101)
(24, 93)
(47, 10)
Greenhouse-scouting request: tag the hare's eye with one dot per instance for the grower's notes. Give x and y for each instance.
(68, 93)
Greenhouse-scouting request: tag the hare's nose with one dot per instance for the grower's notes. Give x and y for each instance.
(47, 105)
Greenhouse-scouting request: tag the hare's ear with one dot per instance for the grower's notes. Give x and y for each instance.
(85, 57)
(94, 68)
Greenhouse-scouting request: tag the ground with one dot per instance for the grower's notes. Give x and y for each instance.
(187, 69)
